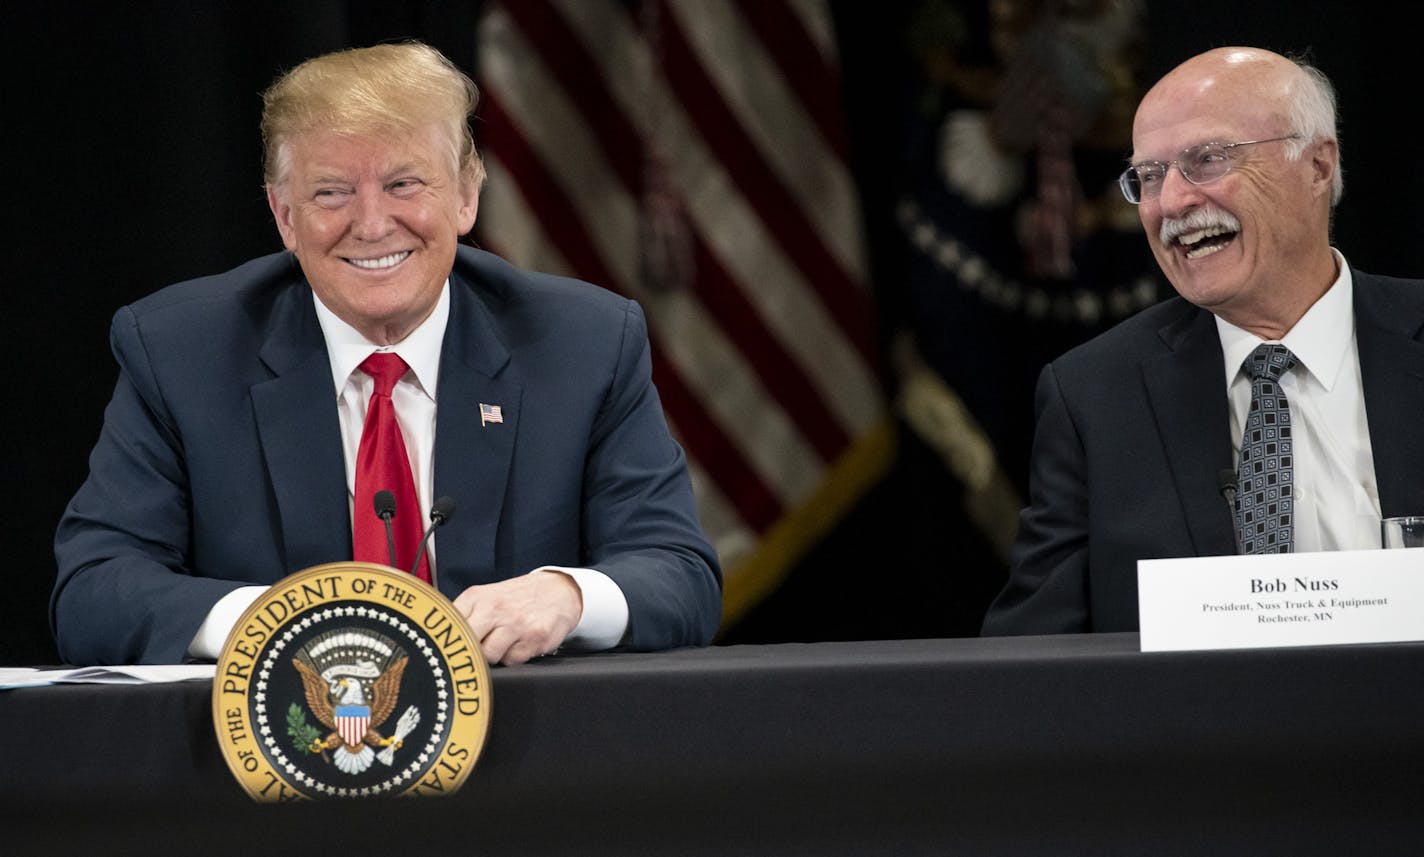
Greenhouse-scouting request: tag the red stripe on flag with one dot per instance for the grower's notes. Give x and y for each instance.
(565, 55)
(817, 85)
(773, 203)
(546, 199)
(777, 368)
(756, 505)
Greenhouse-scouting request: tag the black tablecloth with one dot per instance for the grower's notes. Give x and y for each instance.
(1047, 745)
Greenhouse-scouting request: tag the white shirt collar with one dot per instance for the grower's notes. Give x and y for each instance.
(346, 348)
(1320, 341)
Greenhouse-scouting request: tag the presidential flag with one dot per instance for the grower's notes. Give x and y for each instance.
(692, 155)
(1019, 244)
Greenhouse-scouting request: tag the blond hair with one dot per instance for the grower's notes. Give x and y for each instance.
(374, 91)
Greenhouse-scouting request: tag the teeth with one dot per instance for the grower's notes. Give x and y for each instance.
(1192, 240)
(383, 262)
(1205, 251)
(1193, 237)
(1190, 230)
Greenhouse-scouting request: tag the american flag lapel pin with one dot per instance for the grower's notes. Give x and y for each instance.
(490, 414)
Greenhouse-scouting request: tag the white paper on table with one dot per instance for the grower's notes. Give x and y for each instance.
(13, 677)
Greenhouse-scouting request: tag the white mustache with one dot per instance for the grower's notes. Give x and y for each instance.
(1202, 218)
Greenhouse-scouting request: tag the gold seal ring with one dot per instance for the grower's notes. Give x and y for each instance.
(351, 680)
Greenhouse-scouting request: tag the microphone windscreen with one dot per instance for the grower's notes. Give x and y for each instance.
(385, 504)
(442, 510)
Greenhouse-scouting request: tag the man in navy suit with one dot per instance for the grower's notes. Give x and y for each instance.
(1235, 171)
(227, 453)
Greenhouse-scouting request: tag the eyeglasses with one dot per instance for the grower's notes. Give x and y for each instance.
(1201, 164)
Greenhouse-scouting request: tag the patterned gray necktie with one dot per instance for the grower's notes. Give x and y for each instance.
(1265, 501)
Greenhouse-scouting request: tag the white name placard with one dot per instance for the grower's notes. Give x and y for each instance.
(1299, 599)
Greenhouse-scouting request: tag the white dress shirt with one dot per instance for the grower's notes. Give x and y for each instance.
(605, 609)
(1336, 497)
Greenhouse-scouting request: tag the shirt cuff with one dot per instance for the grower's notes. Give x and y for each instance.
(208, 642)
(605, 611)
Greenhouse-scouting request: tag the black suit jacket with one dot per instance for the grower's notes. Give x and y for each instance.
(220, 461)
(1131, 434)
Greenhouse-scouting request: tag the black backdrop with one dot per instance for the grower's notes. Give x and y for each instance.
(131, 134)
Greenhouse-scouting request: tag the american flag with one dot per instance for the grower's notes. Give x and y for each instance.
(491, 414)
(692, 155)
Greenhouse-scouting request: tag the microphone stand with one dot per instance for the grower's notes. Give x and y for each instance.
(1226, 483)
(440, 512)
(385, 503)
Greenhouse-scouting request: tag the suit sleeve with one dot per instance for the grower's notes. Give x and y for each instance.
(641, 525)
(124, 591)
(1047, 590)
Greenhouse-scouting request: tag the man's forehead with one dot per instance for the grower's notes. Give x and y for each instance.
(1168, 143)
(320, 153)
(1165, 127)
(1223, 96)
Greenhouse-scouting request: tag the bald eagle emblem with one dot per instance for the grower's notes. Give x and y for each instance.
(351, 680)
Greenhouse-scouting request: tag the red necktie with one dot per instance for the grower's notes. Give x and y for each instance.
(382, 465)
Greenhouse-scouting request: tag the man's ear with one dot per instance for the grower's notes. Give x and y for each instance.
(282, 214)
(469, 206)
(1324, 161)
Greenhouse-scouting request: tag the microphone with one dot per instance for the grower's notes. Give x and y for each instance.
(385, 503)
(1226, 483)
(442, 510)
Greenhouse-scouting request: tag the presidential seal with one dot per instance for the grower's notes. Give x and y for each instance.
(351, 680)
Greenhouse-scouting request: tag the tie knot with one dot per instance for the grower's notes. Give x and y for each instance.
(1269, 360)
(386, 369)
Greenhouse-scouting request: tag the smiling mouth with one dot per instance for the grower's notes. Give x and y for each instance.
(388, 261)
(1205, 242)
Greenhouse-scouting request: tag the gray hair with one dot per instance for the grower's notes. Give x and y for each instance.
(1311, 111)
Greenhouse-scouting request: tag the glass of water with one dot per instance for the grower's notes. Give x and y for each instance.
(1405, 532)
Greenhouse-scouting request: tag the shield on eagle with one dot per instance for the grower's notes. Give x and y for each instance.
(352, 721)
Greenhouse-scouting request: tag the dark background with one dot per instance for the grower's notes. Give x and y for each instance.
(131, 133)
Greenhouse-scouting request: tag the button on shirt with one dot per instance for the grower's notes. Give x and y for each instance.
(1336, 497)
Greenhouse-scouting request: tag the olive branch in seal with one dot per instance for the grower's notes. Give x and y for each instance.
(303, 733)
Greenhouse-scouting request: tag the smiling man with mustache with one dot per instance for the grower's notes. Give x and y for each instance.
(1138, 450)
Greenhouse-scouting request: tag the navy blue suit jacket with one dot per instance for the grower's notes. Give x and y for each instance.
(1131, 434)
(220, 462)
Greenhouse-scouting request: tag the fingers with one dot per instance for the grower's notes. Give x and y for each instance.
(503, 645)
(522, 618)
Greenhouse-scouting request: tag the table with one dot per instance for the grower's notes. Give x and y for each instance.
(1016, 746)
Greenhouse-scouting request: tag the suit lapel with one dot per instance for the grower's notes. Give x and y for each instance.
(301, 435)
(1190, 407)
(1389, 318)
(472, 455)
